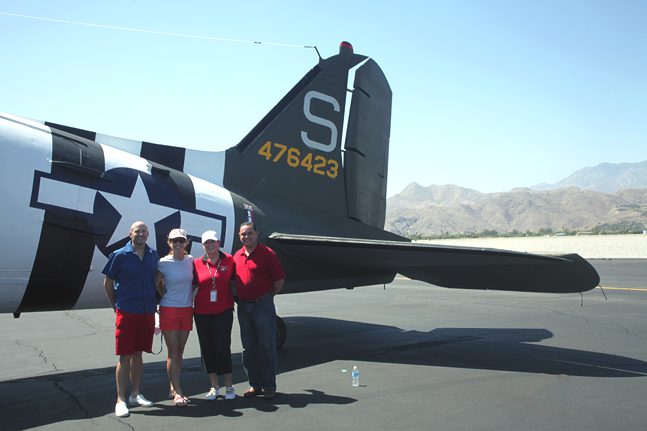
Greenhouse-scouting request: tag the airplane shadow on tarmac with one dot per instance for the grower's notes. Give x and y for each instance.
(501, 349)
(89, 393)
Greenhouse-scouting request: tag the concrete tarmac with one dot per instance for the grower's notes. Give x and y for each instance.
(430, 359)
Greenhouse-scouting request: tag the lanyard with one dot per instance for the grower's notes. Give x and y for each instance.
(215, 274)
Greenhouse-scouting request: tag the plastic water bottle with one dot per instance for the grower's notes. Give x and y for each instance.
(355, 376)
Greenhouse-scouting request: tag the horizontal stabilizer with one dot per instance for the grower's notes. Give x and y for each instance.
(448, 266)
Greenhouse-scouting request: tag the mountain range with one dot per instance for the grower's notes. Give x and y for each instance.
(605, 177)
(605, 198)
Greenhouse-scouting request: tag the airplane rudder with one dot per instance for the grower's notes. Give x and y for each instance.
(367, 146)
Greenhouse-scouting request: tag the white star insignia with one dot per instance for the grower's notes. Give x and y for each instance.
(137, 207)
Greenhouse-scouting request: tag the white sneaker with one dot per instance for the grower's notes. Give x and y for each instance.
(230, 393)
(121, 410)
(139, 399)
(212, 394)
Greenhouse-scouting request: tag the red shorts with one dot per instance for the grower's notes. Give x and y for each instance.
(134, 333)
(176, 318)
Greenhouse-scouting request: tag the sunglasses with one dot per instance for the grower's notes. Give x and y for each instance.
(178, 240)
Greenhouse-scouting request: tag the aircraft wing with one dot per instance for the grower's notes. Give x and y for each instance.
(448, 266)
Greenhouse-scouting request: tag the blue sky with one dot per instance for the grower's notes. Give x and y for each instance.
(489, 95)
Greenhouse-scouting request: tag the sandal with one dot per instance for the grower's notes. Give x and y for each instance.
(179, 401)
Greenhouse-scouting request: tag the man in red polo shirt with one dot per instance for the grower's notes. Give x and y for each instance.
(259, 276)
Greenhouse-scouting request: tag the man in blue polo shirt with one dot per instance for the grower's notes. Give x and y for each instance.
(130, 286)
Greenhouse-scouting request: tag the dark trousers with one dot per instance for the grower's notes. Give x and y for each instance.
(258, 333)
(214, 334)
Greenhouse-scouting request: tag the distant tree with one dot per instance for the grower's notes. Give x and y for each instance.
(545, 231)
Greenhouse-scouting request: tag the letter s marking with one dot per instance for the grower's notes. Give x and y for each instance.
(321, 121)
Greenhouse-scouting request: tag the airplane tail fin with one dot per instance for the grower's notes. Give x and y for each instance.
(293, 158)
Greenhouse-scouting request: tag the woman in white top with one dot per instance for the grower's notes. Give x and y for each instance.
(175, 284)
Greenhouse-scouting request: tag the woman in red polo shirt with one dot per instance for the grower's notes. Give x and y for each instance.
(213, 311)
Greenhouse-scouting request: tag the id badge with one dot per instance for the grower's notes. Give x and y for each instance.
(214, 296)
